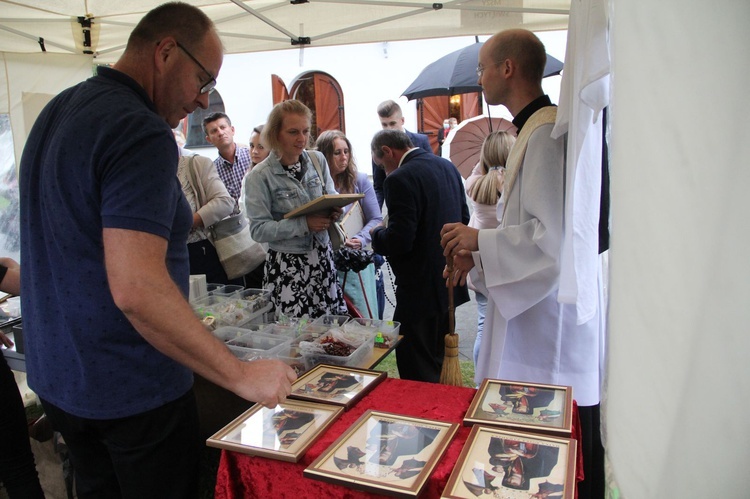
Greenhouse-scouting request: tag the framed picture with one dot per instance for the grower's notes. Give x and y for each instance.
(529, 406)
(338, 385)
(284, 432)
(503, 463)
(384, 453)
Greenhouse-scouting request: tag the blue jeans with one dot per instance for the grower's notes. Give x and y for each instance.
(481, 310)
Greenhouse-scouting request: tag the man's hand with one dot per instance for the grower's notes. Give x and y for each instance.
(457, 237)
(4, 340)
(266, 381)
(462, 264)
(11, 283)
(372, 229)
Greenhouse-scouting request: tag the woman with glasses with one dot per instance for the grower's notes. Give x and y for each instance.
(338, 152)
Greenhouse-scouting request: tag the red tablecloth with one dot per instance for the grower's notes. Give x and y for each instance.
(242, 476)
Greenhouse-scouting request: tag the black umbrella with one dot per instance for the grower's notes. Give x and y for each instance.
(456, 73)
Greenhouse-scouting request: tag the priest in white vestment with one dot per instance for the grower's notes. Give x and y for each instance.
(528, 334)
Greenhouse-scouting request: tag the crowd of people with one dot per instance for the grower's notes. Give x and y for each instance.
(112, 343)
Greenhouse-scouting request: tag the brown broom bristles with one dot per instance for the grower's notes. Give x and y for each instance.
(451, 372)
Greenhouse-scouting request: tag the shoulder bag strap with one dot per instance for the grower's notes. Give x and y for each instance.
(316, 164)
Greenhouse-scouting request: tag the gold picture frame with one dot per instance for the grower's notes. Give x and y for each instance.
(284, 432)
(504, 463)
(523, 406)
(338, 385)
(384, 453)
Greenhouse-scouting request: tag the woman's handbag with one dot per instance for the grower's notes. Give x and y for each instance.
(238, 252)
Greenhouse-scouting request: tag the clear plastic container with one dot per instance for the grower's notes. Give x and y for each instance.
(384, 333)
(354, 359)
(295, 331)
(258, 301)
(235, 306)
(229, 333)
(214, 286)
(227, 291)
(256, 345)
(295, 360)
(332, 320)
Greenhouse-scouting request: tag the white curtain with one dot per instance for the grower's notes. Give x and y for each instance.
(27, 83)
(678, 406)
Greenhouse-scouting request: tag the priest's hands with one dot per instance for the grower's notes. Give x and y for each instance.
(458, 241)
(462, 264)
(456, 237)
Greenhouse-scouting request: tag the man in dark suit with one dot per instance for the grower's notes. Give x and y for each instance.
(391, 118)
(422, 191)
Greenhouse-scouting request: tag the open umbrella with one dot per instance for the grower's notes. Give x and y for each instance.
(464, 143)
(456, 73)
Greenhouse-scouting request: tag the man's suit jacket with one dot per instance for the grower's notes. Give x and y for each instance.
(422, 195)
(378, 174)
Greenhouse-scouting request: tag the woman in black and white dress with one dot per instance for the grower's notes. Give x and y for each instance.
(299, 269)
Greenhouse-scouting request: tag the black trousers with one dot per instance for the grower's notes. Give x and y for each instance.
(593, 484)
(154, 454)
(420, 354)
(17, 470)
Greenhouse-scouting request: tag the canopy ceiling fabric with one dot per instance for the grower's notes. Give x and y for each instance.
(262, 25)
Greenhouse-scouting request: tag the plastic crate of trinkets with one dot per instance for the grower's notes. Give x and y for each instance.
(337, 347)
(247, 344)
(236, 309)
(384, 333)
(293, 331)
(294, 357)
(331, 320)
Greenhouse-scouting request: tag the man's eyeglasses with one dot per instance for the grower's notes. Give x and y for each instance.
(208, 86)
(480, 68)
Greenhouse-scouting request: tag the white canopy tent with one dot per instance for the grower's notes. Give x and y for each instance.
(678, 379)
(70, 35)
(101, 27)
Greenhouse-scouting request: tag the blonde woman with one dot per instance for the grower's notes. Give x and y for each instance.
(299, 268)
(258, 150)
(484, 187)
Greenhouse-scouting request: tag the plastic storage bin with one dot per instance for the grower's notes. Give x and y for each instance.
(295, 331)
(293, 357)
(331, 320)
(354, 359)
(227, 291)
(237, 309)
(229, 333)
(384, 333)
(256, 301)
(254, 345)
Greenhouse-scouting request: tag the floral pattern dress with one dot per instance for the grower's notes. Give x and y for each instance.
(306, 283)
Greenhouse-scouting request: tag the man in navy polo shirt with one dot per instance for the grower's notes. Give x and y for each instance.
(111, 340)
